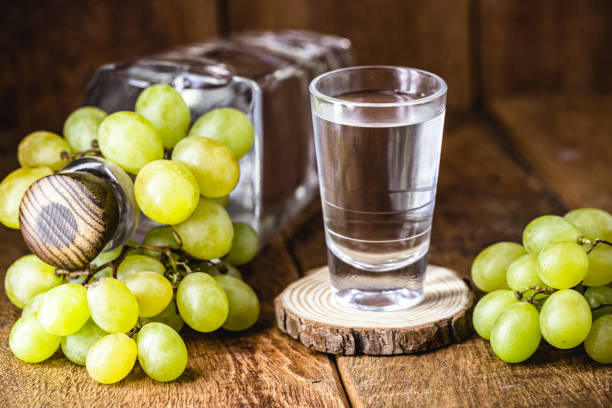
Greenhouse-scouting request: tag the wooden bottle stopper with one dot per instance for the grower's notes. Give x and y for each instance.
(308, 311)
(67, 219)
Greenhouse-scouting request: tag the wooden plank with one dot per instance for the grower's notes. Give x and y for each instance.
(261, 367)
(470, 375)
(567, 139)
(54, 47)
(396, 32)
(484, 196)
(547, 45)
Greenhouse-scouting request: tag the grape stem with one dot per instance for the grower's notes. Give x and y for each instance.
(95, 150)
(67, 157)
(70, 274)
(136, 328)
(176, 261)
(536, 291)
(90, 273)
(177, 236)
(598, 241)
(186, 266)
(129, 248)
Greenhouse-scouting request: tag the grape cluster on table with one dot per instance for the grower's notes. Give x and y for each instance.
(132, 302)
(557, 285)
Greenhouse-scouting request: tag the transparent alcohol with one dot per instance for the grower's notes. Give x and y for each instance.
(378, 134)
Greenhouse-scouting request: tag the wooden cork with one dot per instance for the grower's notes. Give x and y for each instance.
(67, 219)
(308, 311)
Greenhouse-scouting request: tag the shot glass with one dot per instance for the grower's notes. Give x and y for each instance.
(378, 136)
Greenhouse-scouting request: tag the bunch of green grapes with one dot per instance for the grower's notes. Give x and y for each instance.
(110, 322)
(131, 303)
(183, 176)
(557, 285)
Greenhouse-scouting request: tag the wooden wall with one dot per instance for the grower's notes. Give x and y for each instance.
(54, 47)
(545, 45)
(485, 49)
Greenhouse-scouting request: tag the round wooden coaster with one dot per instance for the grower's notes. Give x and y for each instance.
(308, 311)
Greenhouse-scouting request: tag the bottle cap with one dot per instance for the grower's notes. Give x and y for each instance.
(67, 219)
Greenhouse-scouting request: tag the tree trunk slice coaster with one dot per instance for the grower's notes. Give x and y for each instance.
(308, 311)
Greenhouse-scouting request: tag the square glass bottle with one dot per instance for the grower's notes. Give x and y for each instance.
(265, 75)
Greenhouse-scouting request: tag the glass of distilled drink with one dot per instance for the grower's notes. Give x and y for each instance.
(378, 135)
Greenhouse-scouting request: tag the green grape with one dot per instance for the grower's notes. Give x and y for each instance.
(111, 358)
(161, 236)
(27, 277)
(31, 309)
(243, 303)
(602, 311)
(515, 336)
(167, 112)
(490, 266)
(137, 263)
(591, 222)
(600, 300)
(600, 266)
(562, 265)
(129, 140)
(229, 127)
(152, 290)
(488, 309)
(169, 316)
(161, 352)
(547, 230)
(598, 296)
(81, 127)
(598, 343)
(219, 269)
(112, 305)
(223, 201)
(565, 319)
(201, 302)
(106, 257)
(523, 273)
(63, 310)
(214, 166)
(12, 189)
(166, 191)
(244, 245)
(208, 233)
(104, 273)
(42, 148)
(136, 251)
(29, 342)
(76, 345)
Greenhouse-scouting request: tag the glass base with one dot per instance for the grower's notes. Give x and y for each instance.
(377, 291)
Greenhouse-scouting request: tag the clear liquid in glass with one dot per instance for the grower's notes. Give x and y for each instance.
(378, 185)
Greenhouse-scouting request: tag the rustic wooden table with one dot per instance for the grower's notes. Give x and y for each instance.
(522, 158)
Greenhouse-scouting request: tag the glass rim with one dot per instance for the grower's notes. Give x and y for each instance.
(318, 94)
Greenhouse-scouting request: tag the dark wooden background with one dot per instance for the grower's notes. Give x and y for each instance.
(528, 133)
(483, 48)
